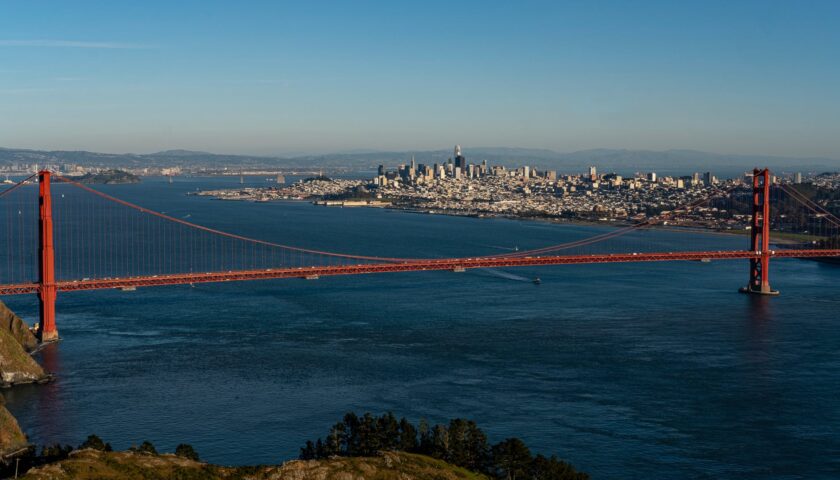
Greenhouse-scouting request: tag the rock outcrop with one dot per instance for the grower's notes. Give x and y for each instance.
(16, 341)
(17, 328)
(12, 439)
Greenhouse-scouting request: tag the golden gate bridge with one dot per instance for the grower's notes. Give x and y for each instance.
(78, 238)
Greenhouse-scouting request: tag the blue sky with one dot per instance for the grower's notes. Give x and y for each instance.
(277, 77)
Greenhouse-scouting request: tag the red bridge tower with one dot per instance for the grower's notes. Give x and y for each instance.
(46, 261)
(760, 236)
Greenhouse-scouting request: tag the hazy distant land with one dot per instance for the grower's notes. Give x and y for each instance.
(619, 160)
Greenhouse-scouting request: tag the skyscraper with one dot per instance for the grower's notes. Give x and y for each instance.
(460, 161)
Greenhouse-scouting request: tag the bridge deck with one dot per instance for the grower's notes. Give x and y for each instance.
(408, 266)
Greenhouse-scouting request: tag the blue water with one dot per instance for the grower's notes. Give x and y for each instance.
(627, 371)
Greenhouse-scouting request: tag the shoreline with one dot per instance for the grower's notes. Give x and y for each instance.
(552, 220)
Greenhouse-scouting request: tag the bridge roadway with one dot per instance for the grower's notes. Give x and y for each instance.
(454, 264)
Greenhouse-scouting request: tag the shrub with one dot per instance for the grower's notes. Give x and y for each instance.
(95, 443)
(186, 451)
(147, 448)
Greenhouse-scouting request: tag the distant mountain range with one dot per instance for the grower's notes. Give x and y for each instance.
(668, 162)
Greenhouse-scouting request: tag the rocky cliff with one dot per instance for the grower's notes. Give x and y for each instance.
(12, 438)
(17, 328)
(16, 365)
(94, 464)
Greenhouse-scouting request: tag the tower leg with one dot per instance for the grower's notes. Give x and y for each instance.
(759, 282)
(47, 290)
(47, 330)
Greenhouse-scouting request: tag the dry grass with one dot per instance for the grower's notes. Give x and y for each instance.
(92, 464)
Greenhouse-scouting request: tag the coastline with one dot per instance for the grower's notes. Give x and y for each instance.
(467, 213)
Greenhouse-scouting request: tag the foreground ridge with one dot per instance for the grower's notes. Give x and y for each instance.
(91, 464)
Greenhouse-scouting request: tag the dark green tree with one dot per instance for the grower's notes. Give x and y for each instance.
(95, 443)
(186, 451)
(408, 436)
(478, 451)
(388, 432)
(147, 447)
(468, 445)
(54, 453)
(543, 468)
(511, 459)
(457, 442)
(351, 431)
(440, 442)
(307, 452)
(368, 436)
(425, 432)
(336, 443)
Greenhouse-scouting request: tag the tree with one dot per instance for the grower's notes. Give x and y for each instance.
(468, 445)
(511, 459)
(460, 442)
(543, 468)
(307, 452)
(54, 453)
(351, 431)
(336, 440)
(368, 436)
(388, 432)
(440, 442)
(478, 452)
(408, 436)
(95, 443)
(186, 451)
(147, 448)
(457, 442)
(425, 437)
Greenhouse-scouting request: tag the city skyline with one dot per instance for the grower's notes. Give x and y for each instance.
(280, 79)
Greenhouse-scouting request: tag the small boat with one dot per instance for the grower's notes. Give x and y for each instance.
(536, 281)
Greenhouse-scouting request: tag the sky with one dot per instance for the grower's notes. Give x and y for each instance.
(282, 78)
